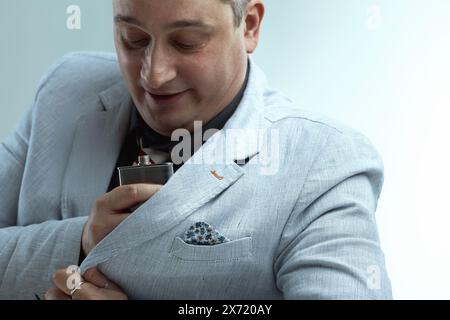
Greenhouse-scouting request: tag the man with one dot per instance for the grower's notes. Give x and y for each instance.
(223, 227)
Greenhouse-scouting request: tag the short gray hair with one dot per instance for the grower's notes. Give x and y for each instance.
(238, 7)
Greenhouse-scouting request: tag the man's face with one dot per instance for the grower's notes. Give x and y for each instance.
(182, 60)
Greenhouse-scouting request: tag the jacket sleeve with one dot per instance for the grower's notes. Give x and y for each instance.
(330, 247)
(28, 254)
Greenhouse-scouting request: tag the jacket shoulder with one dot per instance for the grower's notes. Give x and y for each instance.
(81, 72)
(310, 130)
(280, 110)
(72, 85)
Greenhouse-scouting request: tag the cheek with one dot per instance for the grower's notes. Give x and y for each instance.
(205, 73)
(130, 66)
(202, 78)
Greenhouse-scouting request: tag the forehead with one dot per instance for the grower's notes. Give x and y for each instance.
(148, 12)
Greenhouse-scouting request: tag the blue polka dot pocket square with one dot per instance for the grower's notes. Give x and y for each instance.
(202, 234)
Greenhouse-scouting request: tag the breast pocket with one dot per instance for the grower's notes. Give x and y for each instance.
(232, 250)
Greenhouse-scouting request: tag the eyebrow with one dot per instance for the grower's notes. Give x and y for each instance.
(173, 25)
(127, 19)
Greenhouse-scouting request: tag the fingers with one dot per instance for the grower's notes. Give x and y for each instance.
(115, 219)
(88, 291)
(94, 286)
(98, 279)
(85, 291)
(79, 289)
(56, 294)
(127, 196)
(66, 280)
(109, 211)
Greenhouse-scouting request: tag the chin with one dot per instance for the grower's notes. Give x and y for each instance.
(165, 121)
(166, 125)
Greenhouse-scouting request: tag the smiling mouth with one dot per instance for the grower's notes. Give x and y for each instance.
(164, 99)
(164, 96)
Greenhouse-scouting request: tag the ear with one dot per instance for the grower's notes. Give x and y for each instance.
(252, 20)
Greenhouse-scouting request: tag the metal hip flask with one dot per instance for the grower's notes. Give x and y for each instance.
(145, 172)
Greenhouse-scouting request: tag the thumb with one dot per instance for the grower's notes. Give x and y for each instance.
(124, 197)
(99, 280)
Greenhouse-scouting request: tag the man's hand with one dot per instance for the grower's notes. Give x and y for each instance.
(111, 209)
(94, 286)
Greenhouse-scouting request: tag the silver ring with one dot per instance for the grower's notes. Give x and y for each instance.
(77, 287)
(106, 286)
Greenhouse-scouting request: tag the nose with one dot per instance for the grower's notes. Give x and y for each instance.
(157, 68)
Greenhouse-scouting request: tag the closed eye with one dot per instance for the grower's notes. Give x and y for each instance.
(185, 46)
(138, 44)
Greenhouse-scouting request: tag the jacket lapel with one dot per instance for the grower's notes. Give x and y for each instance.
(96, 146)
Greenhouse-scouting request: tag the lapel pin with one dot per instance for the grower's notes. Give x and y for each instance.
(216, 175)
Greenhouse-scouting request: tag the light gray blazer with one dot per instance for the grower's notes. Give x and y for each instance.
(302, 229)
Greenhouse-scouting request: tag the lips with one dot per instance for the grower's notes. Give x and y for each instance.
(164, 99)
